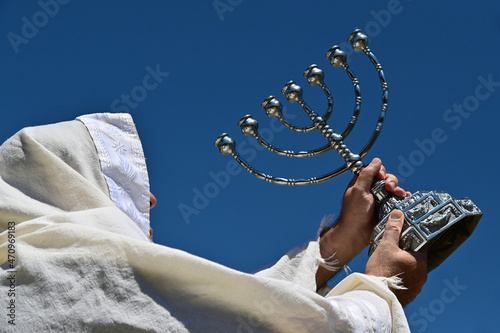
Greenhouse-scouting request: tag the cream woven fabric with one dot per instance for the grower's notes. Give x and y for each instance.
(83, 262)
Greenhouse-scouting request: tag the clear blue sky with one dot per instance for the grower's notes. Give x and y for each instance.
(215, 61)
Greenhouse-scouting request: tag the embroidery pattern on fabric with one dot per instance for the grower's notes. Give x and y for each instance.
(122, 163)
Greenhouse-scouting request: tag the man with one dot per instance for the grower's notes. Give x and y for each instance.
(76, 255)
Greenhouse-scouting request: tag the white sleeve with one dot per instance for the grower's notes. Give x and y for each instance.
(299, 266)
(364, 301)
(361, 311)
(359, 303)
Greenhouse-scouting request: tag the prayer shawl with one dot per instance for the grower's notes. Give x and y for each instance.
(75, 254)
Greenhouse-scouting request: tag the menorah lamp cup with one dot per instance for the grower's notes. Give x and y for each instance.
(432, 218)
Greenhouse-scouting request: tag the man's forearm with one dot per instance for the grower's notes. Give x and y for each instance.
(340, 241)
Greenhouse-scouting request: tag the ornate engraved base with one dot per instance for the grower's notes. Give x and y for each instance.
(433, 218)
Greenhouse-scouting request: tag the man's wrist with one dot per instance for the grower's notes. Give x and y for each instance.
(336, 244)
(341, 240)
(349, 236)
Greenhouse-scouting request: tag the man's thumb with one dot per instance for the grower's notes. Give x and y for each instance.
(394, 226)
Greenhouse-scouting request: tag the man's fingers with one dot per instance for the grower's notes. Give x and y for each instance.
(367, 175)
(393, 227)
(391, 185)
(391, 182)
(382, 174)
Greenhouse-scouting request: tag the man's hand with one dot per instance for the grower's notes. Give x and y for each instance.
(358, 209)
(389, 260)
(352, 232)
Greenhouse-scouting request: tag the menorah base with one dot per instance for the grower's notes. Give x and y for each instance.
(433, 218)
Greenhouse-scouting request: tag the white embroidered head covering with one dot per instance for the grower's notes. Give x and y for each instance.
(122, 163)
(94, 162)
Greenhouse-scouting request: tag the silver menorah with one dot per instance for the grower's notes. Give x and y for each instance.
(433, 218)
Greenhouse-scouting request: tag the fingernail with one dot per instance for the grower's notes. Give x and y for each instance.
(396, 214)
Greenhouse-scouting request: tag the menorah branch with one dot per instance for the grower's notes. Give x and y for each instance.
(250, 126)
(294, 94)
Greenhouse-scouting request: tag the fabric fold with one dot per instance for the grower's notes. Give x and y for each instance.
(75, 195)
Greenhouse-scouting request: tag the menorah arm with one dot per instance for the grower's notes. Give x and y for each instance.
(288, 181)
(353, 161)
(359, 42)
(357, 105)
(374, 136)
(250, 126)
(291, 153)
(315, 77)
(274, 108)
(227, 146)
